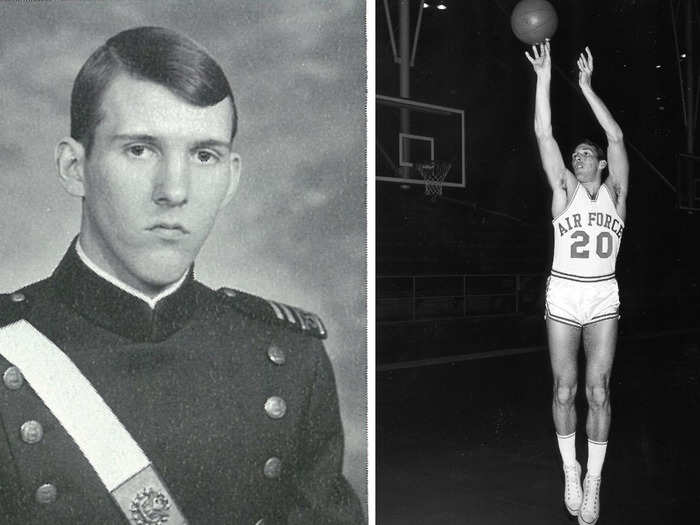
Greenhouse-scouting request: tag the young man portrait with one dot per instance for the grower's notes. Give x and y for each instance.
(132, 391)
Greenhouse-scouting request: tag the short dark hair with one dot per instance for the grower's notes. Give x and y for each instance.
(599, 153)
(155, 54)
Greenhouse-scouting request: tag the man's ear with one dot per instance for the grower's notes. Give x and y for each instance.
(70, 166)
(235, 174)
(602, 164)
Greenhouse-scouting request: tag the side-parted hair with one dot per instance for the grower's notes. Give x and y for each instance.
(154, 54)
(599, 153)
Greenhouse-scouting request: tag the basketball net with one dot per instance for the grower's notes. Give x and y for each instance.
(433, 174)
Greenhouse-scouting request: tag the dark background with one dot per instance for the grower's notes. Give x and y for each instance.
(464, 432)
(468, 58)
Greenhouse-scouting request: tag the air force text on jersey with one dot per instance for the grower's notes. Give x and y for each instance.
(603, 220)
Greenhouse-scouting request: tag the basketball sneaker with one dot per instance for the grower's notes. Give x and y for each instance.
(572, 488)
(590, 508)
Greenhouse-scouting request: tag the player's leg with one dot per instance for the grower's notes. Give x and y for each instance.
(564, 343)
(599, 342)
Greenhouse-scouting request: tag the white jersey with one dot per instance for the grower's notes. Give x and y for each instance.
(587, 237)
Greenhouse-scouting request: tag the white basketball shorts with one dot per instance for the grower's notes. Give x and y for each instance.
(580, 304)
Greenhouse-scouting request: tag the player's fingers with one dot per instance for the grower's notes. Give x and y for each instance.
(532, 61)
(584, 63)
(590, 56)
(535, 53)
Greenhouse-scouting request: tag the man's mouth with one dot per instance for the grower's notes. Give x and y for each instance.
(169, 230)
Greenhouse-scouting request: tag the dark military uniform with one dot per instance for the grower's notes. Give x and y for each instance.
(236, 408)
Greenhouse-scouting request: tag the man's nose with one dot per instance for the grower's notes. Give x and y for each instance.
(172, 183)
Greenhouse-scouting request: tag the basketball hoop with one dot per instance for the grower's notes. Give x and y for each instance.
(433, 174)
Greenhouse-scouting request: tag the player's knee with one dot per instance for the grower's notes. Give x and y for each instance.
(598, 395)
(564, 394)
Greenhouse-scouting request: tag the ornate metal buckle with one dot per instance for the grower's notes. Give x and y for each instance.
(150, 507)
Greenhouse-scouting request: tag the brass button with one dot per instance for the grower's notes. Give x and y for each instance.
(46, 494)
(273, 468)
(13, 378)
(275, 407)
(31, 432)
(229, 292)
(276, 355)
(17, 297)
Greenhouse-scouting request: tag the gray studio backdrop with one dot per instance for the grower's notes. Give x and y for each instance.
(295, 232)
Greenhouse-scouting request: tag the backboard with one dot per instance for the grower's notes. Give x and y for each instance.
(411, 132)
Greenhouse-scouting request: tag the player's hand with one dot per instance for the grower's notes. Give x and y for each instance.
(585, 69)
(540, 59)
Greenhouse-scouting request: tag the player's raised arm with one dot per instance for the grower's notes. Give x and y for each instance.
(618, 165)
(552, 161)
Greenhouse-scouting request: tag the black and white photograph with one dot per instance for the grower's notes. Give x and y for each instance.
(345, 262)
(537, 173)
(183, 292)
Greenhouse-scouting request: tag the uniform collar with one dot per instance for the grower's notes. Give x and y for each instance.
(112, 307)
(151, 301)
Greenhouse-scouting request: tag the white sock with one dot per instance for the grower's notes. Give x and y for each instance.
(596, 456)
(567, 448)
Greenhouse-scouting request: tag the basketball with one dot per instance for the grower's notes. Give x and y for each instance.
(533, 21)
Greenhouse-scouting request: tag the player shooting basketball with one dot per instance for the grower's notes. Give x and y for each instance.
(582, 294)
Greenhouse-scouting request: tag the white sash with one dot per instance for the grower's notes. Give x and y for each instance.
(121, 465)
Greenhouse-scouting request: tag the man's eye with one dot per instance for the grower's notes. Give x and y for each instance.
(138, 151)
(206, 157)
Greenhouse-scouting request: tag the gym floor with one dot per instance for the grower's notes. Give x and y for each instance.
(472, 442)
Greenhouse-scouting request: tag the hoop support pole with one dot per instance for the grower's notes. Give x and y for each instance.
(387, 14)
(415, 37)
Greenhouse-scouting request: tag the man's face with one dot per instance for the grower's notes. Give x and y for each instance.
(585, 163)
(159, 172)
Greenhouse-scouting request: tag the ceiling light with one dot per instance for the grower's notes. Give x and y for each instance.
(441, 6)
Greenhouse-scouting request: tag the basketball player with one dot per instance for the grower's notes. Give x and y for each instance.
(582, 295)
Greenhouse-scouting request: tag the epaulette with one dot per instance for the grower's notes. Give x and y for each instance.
(13, 307)
(274, 312)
